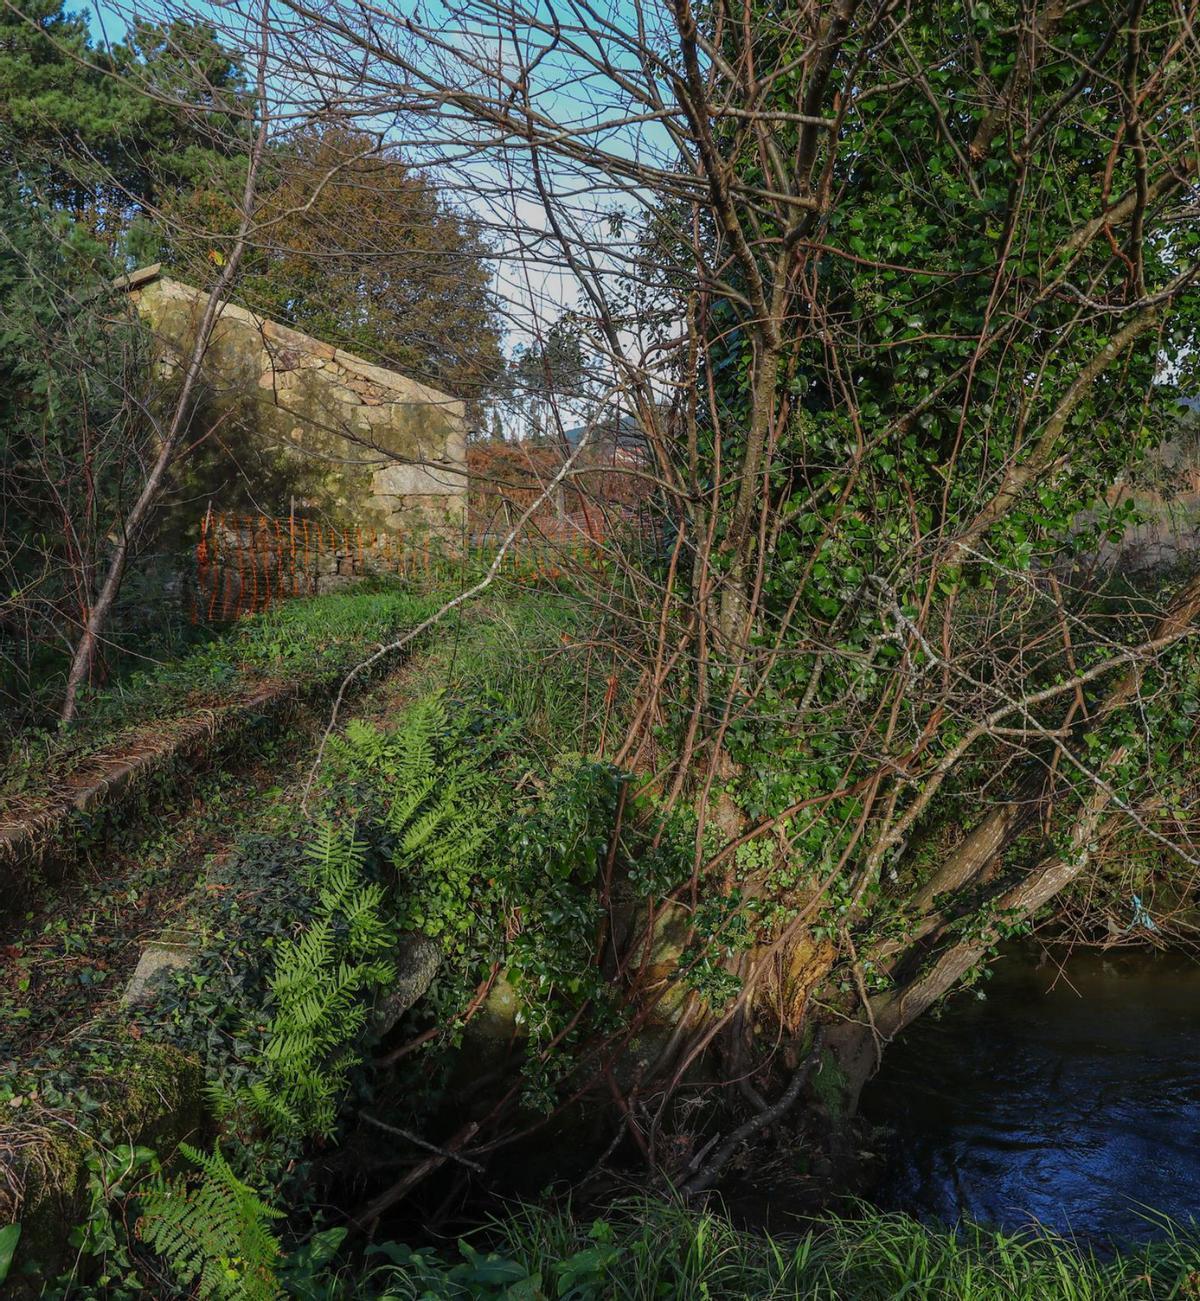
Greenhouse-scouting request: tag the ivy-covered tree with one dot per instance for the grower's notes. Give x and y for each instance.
(921, 293)
(944, 349)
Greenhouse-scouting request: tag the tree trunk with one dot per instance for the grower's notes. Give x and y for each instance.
(98, 615)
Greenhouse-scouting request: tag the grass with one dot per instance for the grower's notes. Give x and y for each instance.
(306, 641)
(314, 635)
(539, 655)
(650, 1250)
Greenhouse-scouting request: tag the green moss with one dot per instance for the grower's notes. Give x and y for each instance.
(830, 1085)
(52, 1169)
(158, 1079)
(135, 1092)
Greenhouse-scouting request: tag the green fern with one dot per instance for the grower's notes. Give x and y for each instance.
(440, 813)
(334, 855)
(255, 1099)
(409, 800)
(319, 988)
(367, 931)
(213, 1231)
(367, 743)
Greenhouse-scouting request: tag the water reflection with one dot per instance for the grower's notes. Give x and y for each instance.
(1072, 1098)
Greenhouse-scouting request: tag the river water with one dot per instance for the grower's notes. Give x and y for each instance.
(1068, 1096)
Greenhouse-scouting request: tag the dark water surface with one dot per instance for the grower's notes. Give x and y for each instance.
(1070, 1097)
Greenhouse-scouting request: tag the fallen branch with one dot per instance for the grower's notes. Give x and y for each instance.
(420, 1142)
(707, 1175)
(364, 1218)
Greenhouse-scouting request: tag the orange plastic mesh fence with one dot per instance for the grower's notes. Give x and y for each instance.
(245, 563)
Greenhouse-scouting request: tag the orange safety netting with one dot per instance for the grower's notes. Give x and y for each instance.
(243, 564)
(246, 563)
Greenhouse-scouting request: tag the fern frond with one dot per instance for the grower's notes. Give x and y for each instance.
(332, 851)
(408, 800)
(213, 1231)
(364, 743)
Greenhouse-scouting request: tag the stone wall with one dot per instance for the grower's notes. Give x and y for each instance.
(388, 452)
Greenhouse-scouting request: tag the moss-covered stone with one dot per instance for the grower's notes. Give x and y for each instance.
(140, 1093)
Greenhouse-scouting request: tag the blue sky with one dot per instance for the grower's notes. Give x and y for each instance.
(534, 290)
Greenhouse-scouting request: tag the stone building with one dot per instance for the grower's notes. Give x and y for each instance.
(379, 449)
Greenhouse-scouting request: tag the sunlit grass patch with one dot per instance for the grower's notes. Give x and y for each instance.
(649, 1250)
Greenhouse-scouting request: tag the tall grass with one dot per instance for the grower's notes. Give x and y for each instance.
(657, 1251)
(537, 656)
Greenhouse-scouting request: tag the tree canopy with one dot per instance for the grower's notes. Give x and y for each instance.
(361, 250)
(106, 132)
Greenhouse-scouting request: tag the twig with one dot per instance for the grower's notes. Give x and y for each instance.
(453, 603)
(363, 1218)
(420, 1142)
(861, 985)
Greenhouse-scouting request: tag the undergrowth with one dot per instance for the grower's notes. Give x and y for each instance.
(446, 826)
(470, 821)
(319, 988)
(539, 660)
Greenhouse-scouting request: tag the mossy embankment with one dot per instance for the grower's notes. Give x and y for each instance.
(64, 796)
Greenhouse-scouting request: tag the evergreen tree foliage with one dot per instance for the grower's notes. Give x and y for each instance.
(107, 130)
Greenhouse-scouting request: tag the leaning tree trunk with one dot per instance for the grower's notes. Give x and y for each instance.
(933, 971)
